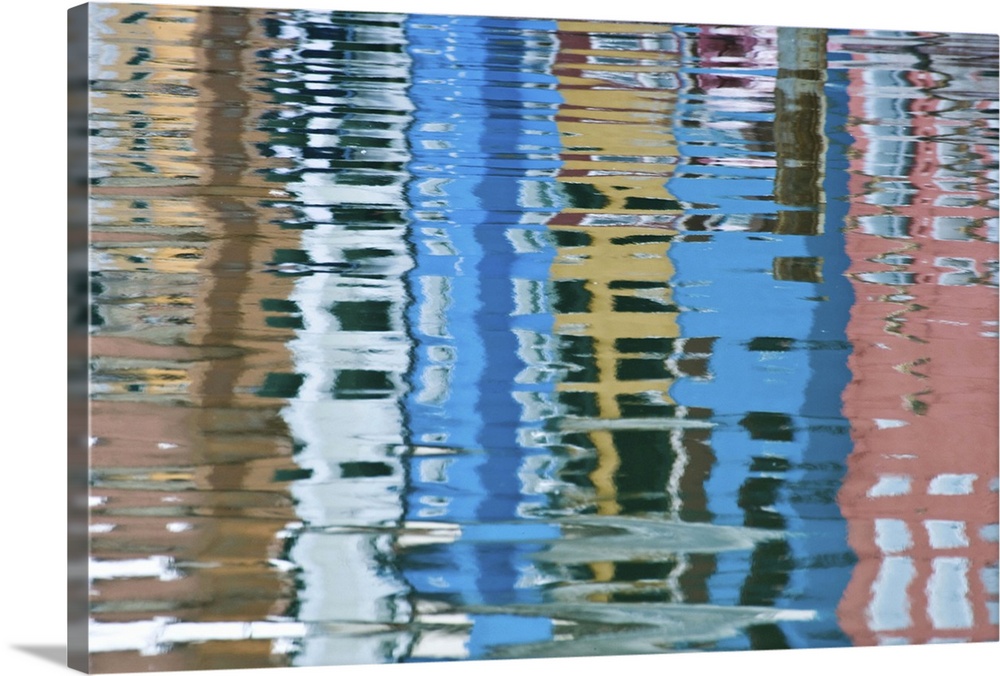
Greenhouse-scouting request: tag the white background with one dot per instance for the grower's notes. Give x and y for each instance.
(32, 388)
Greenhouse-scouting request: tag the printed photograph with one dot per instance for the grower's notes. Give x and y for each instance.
(424, 338)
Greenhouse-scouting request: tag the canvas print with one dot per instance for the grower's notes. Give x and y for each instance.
(423, 337)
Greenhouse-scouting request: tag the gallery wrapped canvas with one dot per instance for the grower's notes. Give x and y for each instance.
(417, 337)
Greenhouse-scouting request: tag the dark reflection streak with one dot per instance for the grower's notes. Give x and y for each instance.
(222, 129)
(799, 109)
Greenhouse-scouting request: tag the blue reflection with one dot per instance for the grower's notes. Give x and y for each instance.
(474, 139)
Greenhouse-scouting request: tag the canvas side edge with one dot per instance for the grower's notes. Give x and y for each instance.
(77, 53)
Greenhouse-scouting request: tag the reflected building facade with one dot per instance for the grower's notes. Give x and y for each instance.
(920, 496)
(758, 275)
(342, 128)
(612, 299)
(483, 97)
(190, 467)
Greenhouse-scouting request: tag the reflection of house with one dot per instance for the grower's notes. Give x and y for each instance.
(616, 330)
(474, 410)
(772, 307)
(615, 326)
(180, 438)
(921, 493)
(341, 129)
(617, 85)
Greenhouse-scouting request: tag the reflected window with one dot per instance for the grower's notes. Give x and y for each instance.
(897, 227)
(362, 384)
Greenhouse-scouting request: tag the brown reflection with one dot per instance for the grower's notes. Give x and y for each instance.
(187, 456)
(799, 112)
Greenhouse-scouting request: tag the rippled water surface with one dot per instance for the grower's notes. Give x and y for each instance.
(431, 338)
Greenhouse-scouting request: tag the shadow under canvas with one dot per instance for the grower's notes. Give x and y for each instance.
(50, 653)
